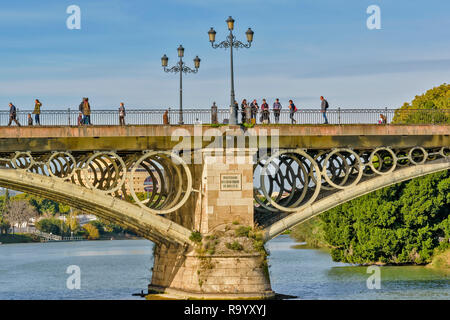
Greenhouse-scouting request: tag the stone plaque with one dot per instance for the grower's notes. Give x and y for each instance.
(231, 182)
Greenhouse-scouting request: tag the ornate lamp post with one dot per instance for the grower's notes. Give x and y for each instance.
(180, 67)
(231, 43)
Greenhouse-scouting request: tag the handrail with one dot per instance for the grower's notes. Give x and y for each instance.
(196, 116)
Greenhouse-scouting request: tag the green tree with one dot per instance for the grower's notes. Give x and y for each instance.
(397, 224)
(49, 225)
(431, 107)
(4, 224)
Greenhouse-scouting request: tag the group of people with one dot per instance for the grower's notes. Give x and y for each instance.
(84, 116)
(36, 112)
(249, 111)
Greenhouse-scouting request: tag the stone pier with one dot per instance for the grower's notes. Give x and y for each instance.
(229, 260)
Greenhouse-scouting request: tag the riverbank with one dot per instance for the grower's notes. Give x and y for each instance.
(30, 238)
(441, 261)
(18, 238)
(310, 236)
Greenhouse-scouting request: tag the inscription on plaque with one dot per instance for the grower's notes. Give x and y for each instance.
(230, 182)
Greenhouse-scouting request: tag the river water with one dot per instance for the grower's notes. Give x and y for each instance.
(117, 269)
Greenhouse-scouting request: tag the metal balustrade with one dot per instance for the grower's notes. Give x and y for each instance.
(203, 116)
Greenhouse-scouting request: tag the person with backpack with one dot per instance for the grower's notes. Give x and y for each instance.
(323, 108)
(292, 111)
(277, 110)
(37, 112)
(12, 114)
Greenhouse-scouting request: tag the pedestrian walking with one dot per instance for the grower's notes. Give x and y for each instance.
(323, 108)
(265, 113)
(122, 114)
(12, 114)
(30, 119)
(37, 112)
(292, 111)
(277, 110)
(243, 110)
(383, 119)
(86, 110)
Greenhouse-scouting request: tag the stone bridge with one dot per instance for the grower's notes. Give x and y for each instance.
(205, 185)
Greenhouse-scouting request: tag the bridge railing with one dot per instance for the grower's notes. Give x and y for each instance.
(192, 116)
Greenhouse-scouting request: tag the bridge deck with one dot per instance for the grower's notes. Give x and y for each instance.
(159, 137)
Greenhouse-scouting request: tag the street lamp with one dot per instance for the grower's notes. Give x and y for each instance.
(180, 67)
(231, 43)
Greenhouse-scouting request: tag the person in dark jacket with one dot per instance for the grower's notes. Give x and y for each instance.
(265, 113)
(29, 119)
(12, 114)
(292, 111)
(254, 108)
(323, 109)
(243, 110)
(122, 114)
(277, 110)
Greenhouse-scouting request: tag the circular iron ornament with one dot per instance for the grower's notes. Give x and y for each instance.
(320, 158)
(364, 156)
(175, 203)
(22, 161)
(375, 152)
(359, 166)
(424, 155)
(69, 164)
(257, 192)
(108, 182)
(445, 152)
(313, 164)
(402, 158)
(279, 179)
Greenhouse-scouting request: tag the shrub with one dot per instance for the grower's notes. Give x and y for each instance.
(236, 246)
(196, 237)
(243, 231)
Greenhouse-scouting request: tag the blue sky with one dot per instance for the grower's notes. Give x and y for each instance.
(302, 49)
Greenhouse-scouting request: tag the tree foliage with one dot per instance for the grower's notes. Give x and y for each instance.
(435, 104)
(50, 225)
(397, 224)
(19, 212)
(92, 231)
